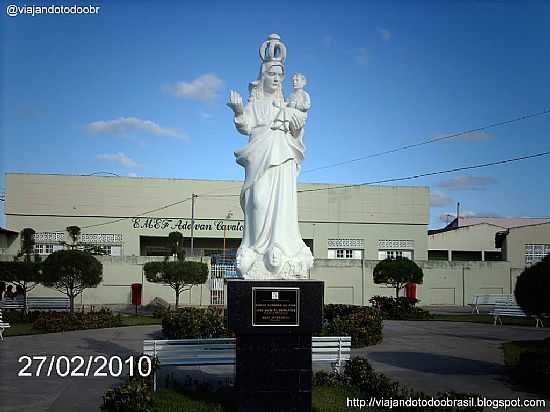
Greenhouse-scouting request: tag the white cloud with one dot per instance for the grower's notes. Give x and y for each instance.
(205, 88)
(467, 183)
(124, 124)
(384, 33)
(440, 199)
(362, 56)
(120, 158)
(206, 115)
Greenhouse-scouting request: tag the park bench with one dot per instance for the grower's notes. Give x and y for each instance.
(37, 303)
(3, 326)
(507, 306)
(48, 303)
(12, 304)
(333, 350)
(485, 300)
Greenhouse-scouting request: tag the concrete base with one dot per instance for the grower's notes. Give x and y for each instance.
(273, 362)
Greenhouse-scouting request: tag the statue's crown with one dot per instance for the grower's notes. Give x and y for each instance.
(273, 49)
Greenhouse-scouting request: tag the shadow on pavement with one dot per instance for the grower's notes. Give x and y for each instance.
(438, 364)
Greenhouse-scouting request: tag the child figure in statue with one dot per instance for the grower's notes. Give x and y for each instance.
(299, 99)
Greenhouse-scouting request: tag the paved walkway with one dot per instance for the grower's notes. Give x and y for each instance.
(450, 356)
(429, 356)
(70, 394)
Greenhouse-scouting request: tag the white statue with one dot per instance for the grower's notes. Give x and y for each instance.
(272, 247)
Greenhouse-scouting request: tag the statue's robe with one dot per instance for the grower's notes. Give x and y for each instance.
(272, 245)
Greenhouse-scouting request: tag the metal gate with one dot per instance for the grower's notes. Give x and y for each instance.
(216, 282)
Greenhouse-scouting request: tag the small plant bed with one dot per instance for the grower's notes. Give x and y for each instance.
(362, 323)
(529, 363)
(401, 308)
(331, 392)
(508, 320)
(325, 399)
(25, 324)
(175, 401)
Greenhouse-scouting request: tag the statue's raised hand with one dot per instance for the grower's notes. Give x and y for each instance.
(235, 103)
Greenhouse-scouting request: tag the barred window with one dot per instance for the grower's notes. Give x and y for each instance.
(535, 253)
(394, 254)
(45, 248)
(344, 254)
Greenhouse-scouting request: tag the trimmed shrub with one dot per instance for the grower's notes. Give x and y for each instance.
(191, 322)
(19, 316)
(533, 370)
(401, 308)
(359, 375)
(529, 363)
(362, 323)
(532, 290)
(63, 321)
(134, 396)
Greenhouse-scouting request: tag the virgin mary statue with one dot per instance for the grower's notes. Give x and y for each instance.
(272, 247)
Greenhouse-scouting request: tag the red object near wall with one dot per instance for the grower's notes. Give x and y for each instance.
(136, 293)
(410, 290)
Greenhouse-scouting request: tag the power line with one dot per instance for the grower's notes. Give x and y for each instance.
(397, 179)
(429, 141)
(439, 172)
(417, 176)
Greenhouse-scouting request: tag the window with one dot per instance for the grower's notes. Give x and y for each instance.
(394, 254)
(344, 254)
(535, 253)
(45, 248)
(345, 248)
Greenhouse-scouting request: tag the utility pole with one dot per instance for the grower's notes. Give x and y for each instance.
(193, 197)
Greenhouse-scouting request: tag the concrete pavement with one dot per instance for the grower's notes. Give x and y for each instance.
(436, 357)
(69, 394)
(427, 355)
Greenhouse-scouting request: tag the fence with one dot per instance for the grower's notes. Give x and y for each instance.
(216, 282)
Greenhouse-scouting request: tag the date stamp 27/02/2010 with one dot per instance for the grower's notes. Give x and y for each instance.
(81, 366)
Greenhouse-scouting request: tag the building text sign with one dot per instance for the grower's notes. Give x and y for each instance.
(275, 306)
(175, 224)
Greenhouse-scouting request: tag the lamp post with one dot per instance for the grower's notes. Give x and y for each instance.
(229, 215)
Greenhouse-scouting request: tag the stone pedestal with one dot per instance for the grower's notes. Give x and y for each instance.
(273, 321)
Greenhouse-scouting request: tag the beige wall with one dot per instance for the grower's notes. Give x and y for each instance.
(445, 283)
(50, 203)
(517, 238)
(348, 282)
(467, 238)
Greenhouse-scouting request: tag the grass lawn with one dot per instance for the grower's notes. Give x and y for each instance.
(513, 350)
(483, 318)
(25, 328)
(325, 399)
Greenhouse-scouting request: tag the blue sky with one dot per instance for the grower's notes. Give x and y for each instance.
(140, 89)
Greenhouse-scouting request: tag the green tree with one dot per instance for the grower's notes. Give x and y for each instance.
(397, 273)
(27, 246)
(532, 290)
(26, 273)
(71, 272)
(180, 275)
(175, 242)
(75, 244)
